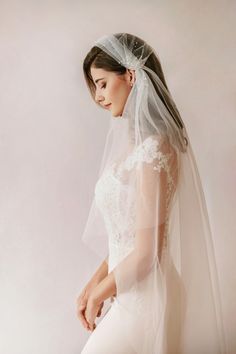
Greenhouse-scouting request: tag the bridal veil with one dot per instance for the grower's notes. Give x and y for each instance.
(167, 282)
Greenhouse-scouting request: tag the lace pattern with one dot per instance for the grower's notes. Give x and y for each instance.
(111, 197)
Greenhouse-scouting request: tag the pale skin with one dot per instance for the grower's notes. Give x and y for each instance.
(111, 89)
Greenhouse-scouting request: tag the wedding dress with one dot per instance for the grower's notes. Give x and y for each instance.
(110, 188)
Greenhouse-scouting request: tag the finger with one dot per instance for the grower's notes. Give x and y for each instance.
(90, 322)
(81, 306)
(80, 298)
(84, 322)
(88, 319)
(92, 326)
(82, 318)
(80, 309)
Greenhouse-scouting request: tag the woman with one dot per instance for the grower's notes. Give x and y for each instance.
(148, 216)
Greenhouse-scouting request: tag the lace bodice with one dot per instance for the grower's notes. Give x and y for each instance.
(111, 196)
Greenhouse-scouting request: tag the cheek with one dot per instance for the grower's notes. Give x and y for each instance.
(119, 93)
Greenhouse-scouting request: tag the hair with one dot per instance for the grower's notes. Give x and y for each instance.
(99, 59)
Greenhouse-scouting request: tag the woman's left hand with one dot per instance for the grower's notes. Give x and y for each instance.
(91, 312)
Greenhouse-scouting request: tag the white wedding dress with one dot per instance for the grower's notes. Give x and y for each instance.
(110, 195)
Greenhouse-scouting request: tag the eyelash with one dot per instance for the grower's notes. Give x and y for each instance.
(103, 86)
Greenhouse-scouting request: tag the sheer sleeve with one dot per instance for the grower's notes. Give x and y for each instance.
(155, 174)
(140, 275)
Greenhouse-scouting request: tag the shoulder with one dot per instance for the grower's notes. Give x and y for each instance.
(154, 148)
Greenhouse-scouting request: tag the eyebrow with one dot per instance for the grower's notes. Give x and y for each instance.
(99, 79)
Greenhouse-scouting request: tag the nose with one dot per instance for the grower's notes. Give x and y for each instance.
(99, 98)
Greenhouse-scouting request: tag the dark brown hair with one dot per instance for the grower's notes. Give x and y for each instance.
(101, 60)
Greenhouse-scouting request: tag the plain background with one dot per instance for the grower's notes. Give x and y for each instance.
(52, 136)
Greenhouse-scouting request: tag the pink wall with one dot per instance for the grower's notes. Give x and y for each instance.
(52, 136)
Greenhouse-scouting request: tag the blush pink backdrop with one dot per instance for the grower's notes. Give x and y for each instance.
(52, 136)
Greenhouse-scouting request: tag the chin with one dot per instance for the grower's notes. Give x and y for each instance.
(118, 114)
(115, 114)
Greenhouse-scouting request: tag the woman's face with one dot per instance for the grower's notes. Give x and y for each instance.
(112, 89)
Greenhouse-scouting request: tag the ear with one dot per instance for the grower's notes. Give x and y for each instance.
(131, 76)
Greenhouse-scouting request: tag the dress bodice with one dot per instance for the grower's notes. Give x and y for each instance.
(112, 191)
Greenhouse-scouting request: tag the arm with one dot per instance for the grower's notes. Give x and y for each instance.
(101, 272)
(97, 277)
(105, 289)
(82, 300)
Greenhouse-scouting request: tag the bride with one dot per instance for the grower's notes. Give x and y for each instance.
(148, 221)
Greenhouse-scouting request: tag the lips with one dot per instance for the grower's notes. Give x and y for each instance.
(107, 105)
